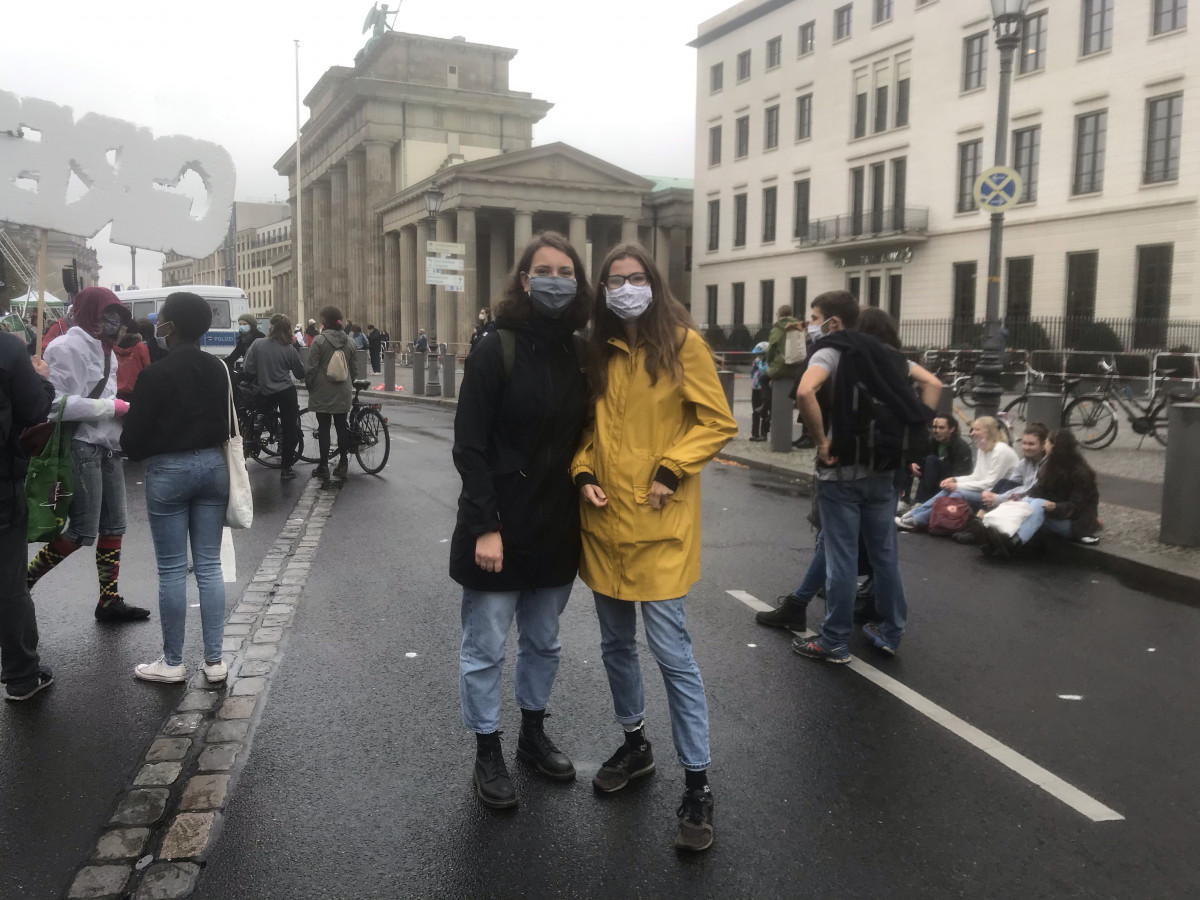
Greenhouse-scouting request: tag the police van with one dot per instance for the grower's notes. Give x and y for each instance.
(227, 303)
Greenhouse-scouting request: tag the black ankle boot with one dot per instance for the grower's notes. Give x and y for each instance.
(536, 748)
(492, 784)
(792, 614)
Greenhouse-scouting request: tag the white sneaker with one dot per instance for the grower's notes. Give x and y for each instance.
(160, 671)
(216, 672)
(906, 523)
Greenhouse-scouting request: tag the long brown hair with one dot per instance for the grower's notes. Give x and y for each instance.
(658, 327)
(1065, 469)
(281, 329)
(515, 304)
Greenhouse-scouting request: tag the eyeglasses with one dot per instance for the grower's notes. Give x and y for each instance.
(637, 279)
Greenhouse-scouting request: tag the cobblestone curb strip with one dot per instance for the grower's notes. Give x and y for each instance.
(155, 845)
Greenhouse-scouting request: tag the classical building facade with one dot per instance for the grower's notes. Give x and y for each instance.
(838, 142)
(415, 111)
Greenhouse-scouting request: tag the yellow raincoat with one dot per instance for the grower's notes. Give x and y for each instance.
(631, 551)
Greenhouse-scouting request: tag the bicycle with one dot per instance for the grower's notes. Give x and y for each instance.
(1015, 410)
(262, 432)
(370, 441)
(1093, 416)
(961, 384)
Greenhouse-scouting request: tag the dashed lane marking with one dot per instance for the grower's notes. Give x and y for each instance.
(1022, 765)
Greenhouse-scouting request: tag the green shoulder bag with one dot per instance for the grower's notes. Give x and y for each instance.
(50, 483)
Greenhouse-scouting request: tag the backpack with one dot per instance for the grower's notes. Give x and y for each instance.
(949, 515)
(884, 442)
(794, 347)
(336, 369)
(508, 351)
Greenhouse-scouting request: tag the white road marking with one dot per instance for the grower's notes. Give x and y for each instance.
(1022, 765)
(1070, 696)
(228, 557)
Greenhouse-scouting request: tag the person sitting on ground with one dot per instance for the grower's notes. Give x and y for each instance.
(1024, 475)
(951, 458)
(1065, 500)
(760, 394)
(993, 461)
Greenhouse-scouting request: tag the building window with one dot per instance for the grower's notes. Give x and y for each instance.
(974, 61)
(1164, 132)
(808, 38)
(1018, 304)
(743, 138)
(799, 295)
(854, 286)
(1032, 54)
(770, 205)
(895, 294)
(964, 301)
(804, 107)
(903, 87)
(739, 303)
(739, 220)
(881, 108)
(883, 10)
(1097, 25)
(1027, 146)
(841, 22)
(861, 102)
(714, 145)
(1153, 295)
(710, 299)
(970, 154)
(771, 128)
(716, 78)
(774, 52)
(743, 64)
(800, 193)
(899, 192)
(1169, 15)
(766, 302)
(1081, 286)
(714, 224)
(1090, 132)
(858, 193)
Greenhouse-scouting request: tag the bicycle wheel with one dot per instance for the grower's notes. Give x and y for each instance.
(1158, 422)
(268, 438)
(966, 390)
(310, 447)
(372, 443)
(1016, 414)
(1093, 421)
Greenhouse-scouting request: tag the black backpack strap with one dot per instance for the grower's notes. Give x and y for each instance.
(508, 351)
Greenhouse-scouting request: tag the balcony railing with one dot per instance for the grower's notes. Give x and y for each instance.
(866, 225)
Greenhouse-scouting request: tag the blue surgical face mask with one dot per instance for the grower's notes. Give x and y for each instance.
(244, 328)
(551, 295)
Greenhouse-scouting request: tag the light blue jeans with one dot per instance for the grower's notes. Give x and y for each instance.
(924, 512)
(665, 622)
(186, 495)
(98, 505)
(1038, 521)
(814, 576)
(487, 617)
(848, 507)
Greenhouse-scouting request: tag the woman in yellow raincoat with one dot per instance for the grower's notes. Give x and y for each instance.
(659, 415)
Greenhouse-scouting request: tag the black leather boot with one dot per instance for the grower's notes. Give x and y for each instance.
(535, 747)
(492, 784)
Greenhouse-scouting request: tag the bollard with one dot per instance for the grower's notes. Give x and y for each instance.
(432, 387)
(363, 364)
(1044, 408)
(449, 361)
(418, 373)
(726, 379)
(945, 405)
(783, 413)
(389, 371)
(1180, 523)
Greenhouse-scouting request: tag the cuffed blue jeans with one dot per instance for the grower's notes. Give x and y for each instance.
(1038, 521)
(186, 496)
(486, 618)
(848, 507)
(665, 622)
(922, 514)
(814, 578)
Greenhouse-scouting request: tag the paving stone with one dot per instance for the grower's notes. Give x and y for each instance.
(231, 644)
(158, 774)
(185, 723)
(280, 609)
(227, 730)
(249, 608)
(237, 630)
(141, 807)
(188, 834)
(237, 708)
(267, 635)
(197, 700)
(259, 588)
(276, 621)
(259, 579)
(204, 792)
(254, 668)
(99, 881)
(218, 758)
(121, 843)
(261, 651)
(241, 619)
(244, 686)
(297, 578)
(164, 749)
(168, 881)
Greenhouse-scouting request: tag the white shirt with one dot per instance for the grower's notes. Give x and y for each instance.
(990, 467)
(76, 363)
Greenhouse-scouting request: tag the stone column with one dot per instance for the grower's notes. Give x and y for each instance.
(322, 252)
(577, 234)
(468, 300)
(404, 324)
(339, 284)
(356, 235)
(498, 268)
(676, 271)
(389, 311)
(522, 231)
(662, 251)
(379, 188)
(629, 230)
(447, 302)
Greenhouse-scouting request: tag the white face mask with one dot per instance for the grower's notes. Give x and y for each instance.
(814, 331)
(629, 300)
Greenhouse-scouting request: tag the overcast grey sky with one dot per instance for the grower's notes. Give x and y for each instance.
(618, 72)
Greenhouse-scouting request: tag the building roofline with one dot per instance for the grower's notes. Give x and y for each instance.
(721, 28)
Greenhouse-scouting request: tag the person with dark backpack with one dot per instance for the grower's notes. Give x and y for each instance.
(877, 426)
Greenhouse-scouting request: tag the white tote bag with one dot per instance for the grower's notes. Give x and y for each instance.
(1008, 517)
(239, 511)
(794, 349)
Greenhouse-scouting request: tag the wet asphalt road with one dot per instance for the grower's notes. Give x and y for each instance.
(358, 779)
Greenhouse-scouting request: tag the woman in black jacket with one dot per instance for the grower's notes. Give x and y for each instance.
(515, 549)
(248, 333)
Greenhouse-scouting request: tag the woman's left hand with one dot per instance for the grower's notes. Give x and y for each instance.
(1049, 506)
(658, 495)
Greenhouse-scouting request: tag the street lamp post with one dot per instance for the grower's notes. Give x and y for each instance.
(1008, 18)
(433, 202)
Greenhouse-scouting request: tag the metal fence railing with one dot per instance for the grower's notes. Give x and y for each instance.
(870, 223)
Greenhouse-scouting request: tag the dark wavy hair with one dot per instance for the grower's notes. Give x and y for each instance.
(515, 305)
(880, 325)
(658, 327)
(189, 313)
(281, 329)
(1065, 468)
(331, 317)
(951, 422)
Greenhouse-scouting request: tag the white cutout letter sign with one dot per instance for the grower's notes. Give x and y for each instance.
(34, 175)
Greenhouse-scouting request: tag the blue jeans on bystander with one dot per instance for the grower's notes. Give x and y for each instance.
(1038, 521)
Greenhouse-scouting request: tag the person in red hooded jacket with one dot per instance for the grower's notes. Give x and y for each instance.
(132, 356)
